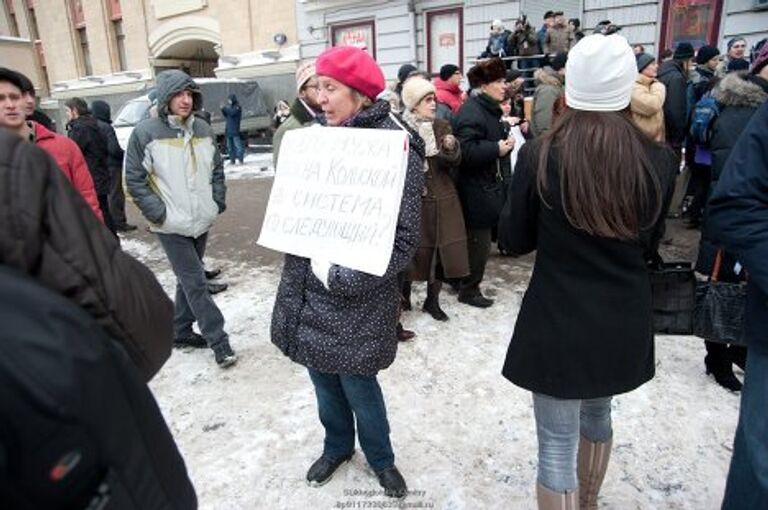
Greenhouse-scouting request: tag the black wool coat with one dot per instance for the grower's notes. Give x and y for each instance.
(351, 328)
(584, 329)
(478, 128)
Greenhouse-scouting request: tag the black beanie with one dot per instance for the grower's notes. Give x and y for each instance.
(559, 60)
(705, 54)
(447, 71)
(404, 71)
(684, 51)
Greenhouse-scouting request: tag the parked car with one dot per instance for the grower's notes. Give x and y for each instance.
(255, 121)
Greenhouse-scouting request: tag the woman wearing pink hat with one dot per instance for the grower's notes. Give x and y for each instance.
(338, 322)
(590, 197)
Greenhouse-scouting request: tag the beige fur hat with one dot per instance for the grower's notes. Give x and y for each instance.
(415, 89)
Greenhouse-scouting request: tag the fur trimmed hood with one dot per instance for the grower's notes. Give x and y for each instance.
(738, 89)
(548, 76)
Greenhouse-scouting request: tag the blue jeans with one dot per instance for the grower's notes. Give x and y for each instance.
(193, 301)
(341, 399)
(235, 148)
(747, 485)
(559, 423)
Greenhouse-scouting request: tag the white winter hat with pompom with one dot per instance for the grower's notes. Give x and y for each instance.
(600, 74)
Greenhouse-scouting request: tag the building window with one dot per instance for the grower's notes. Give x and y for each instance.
(117, 31)
(84, 51)
(11, 15)
(445, 39)
(695, 22)
(360, 33)
(32, 19)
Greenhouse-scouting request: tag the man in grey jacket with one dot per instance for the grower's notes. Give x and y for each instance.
(175, 175)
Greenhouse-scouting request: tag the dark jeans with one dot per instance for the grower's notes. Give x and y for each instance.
(747, 485)
(104, 206)
(117, 198)
(479, 247)
(235, 148)
(193, 301)
(340, 400)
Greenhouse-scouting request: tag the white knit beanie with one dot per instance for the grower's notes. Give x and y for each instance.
(600, 74)
(415, 89)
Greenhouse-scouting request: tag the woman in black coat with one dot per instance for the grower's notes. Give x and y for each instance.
(589, 197)
(739, 96)
(485, 148)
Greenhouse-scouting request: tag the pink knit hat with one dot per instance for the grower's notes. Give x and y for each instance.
(304, 73)
(354, 68)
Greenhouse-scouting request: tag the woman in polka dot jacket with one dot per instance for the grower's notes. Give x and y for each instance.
(338, 322)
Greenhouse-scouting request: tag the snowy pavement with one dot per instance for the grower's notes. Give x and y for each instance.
(464, 437)
(255, 166)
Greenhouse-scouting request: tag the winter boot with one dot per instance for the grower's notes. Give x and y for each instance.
(551, 500)
(592, 464)
(224, 355)
(718, 363)
(432, 303)
(321, 471)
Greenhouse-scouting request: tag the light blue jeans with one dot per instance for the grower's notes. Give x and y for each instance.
(559, 423)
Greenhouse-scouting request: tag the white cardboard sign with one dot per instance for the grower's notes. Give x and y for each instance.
(336, 196)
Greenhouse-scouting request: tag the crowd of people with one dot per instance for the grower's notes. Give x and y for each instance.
(606, 131)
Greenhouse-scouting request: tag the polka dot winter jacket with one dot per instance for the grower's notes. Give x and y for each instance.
(350, 329)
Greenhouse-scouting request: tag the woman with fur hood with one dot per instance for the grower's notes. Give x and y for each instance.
(739, 96)
(548, 97)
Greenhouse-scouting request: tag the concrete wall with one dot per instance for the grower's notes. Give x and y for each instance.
(638, 19)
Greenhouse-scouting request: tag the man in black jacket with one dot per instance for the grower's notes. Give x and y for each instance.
(84, 130)
(102, 113)
(674, 75)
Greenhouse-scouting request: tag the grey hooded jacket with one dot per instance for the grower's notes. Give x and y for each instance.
(173, 171)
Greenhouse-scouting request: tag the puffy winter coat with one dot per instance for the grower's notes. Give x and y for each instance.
(173, 171)
(585, 325)
(85, 132)
(677, 103)
(647, 106)
(448, 93)
(115, 153)
(478, 128)
(48, 232)
(738, 215)
(70, 160)
(739, 96)
(350, 329)
(547, 93)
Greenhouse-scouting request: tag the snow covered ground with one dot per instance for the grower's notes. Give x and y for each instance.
(463, 436)
(255, 165)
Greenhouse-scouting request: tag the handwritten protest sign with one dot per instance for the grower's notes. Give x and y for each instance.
(336, 196)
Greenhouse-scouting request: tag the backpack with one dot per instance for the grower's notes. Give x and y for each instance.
(704, 114)
(78, 426)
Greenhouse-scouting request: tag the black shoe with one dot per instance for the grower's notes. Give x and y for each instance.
(213, 273)
(193, 340)
(126, 228)
(321, 471)
(215, 288)
(723, 373)
(225, 356)
(432, 307)
(393, 483)
(479, 301)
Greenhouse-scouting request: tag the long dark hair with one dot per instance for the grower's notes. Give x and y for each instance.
(607, 182)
